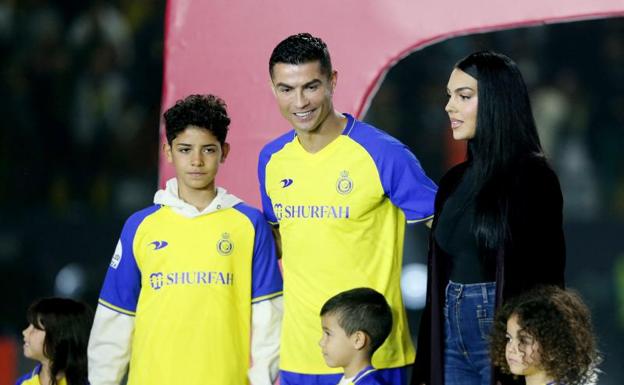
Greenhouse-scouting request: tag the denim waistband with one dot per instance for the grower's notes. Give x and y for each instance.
(486, 290)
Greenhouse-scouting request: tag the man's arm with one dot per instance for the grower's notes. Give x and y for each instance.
(109, 346)
(266, 322)
(266, 302)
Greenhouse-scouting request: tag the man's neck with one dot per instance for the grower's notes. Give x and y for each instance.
(331, 128)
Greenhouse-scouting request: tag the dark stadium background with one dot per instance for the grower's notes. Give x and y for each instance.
(80, 86)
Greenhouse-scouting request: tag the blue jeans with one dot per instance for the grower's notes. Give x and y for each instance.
(468, 315)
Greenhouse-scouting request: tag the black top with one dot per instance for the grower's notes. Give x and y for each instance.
(533, 255)
(454, 234)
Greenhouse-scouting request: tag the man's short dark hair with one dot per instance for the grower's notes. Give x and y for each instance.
(204, 111)
(362, 309)
(300, 49)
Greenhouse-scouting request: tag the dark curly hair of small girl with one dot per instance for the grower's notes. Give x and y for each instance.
(561, 324)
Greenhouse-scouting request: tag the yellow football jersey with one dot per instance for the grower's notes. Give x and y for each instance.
(341, 215)
(190, 283)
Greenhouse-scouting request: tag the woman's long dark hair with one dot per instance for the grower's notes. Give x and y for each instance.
(67, 324)
(505, 134)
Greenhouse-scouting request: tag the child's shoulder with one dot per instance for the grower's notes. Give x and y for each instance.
(30, 378)
(374, 377)
(138, 216)
(254, 215)
(134, 221)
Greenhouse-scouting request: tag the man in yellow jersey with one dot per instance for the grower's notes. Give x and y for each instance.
(338, 192)
(192, 275)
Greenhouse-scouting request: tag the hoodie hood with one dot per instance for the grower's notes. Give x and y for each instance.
(169, 197)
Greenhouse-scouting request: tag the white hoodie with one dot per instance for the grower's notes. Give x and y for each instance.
(111, 335)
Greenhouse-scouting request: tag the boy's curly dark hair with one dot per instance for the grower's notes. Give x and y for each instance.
(561, 324)
(205, 111)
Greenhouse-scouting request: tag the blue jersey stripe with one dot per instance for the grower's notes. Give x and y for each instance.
(266, 278)
(122, 284)
(264, 158)
(266, 297)
(115, 308)
(420, 220)
(403, 179)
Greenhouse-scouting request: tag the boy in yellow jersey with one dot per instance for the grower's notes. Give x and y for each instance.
(339, 193)
(192, 276)
(355, 324)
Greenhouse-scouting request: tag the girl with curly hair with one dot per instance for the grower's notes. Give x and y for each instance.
(546, 336)
(57, 337)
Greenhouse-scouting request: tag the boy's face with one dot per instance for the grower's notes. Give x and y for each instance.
(304, 94)
(196, 154)
(338, 348)
(522, 351)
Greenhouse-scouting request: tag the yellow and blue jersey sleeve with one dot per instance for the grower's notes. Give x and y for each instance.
(264, 158)
(403, 179)
(266, 279)
(122, 285)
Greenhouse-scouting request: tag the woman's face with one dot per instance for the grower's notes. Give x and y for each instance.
(462, 104)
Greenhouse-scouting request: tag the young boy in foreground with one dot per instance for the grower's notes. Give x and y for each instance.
(192, 275)
(355, 324)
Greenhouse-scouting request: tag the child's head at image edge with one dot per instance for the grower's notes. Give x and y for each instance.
(57, 337)
(547, 334)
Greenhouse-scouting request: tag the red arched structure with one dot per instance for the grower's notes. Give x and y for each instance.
(223, 47)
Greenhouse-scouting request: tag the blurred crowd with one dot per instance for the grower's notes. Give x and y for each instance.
(80, 86)
(80, 97)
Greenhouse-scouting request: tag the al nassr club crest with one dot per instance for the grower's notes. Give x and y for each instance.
(225, 245)
(344, 185)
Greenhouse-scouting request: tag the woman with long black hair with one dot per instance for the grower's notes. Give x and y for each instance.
(497, 229)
